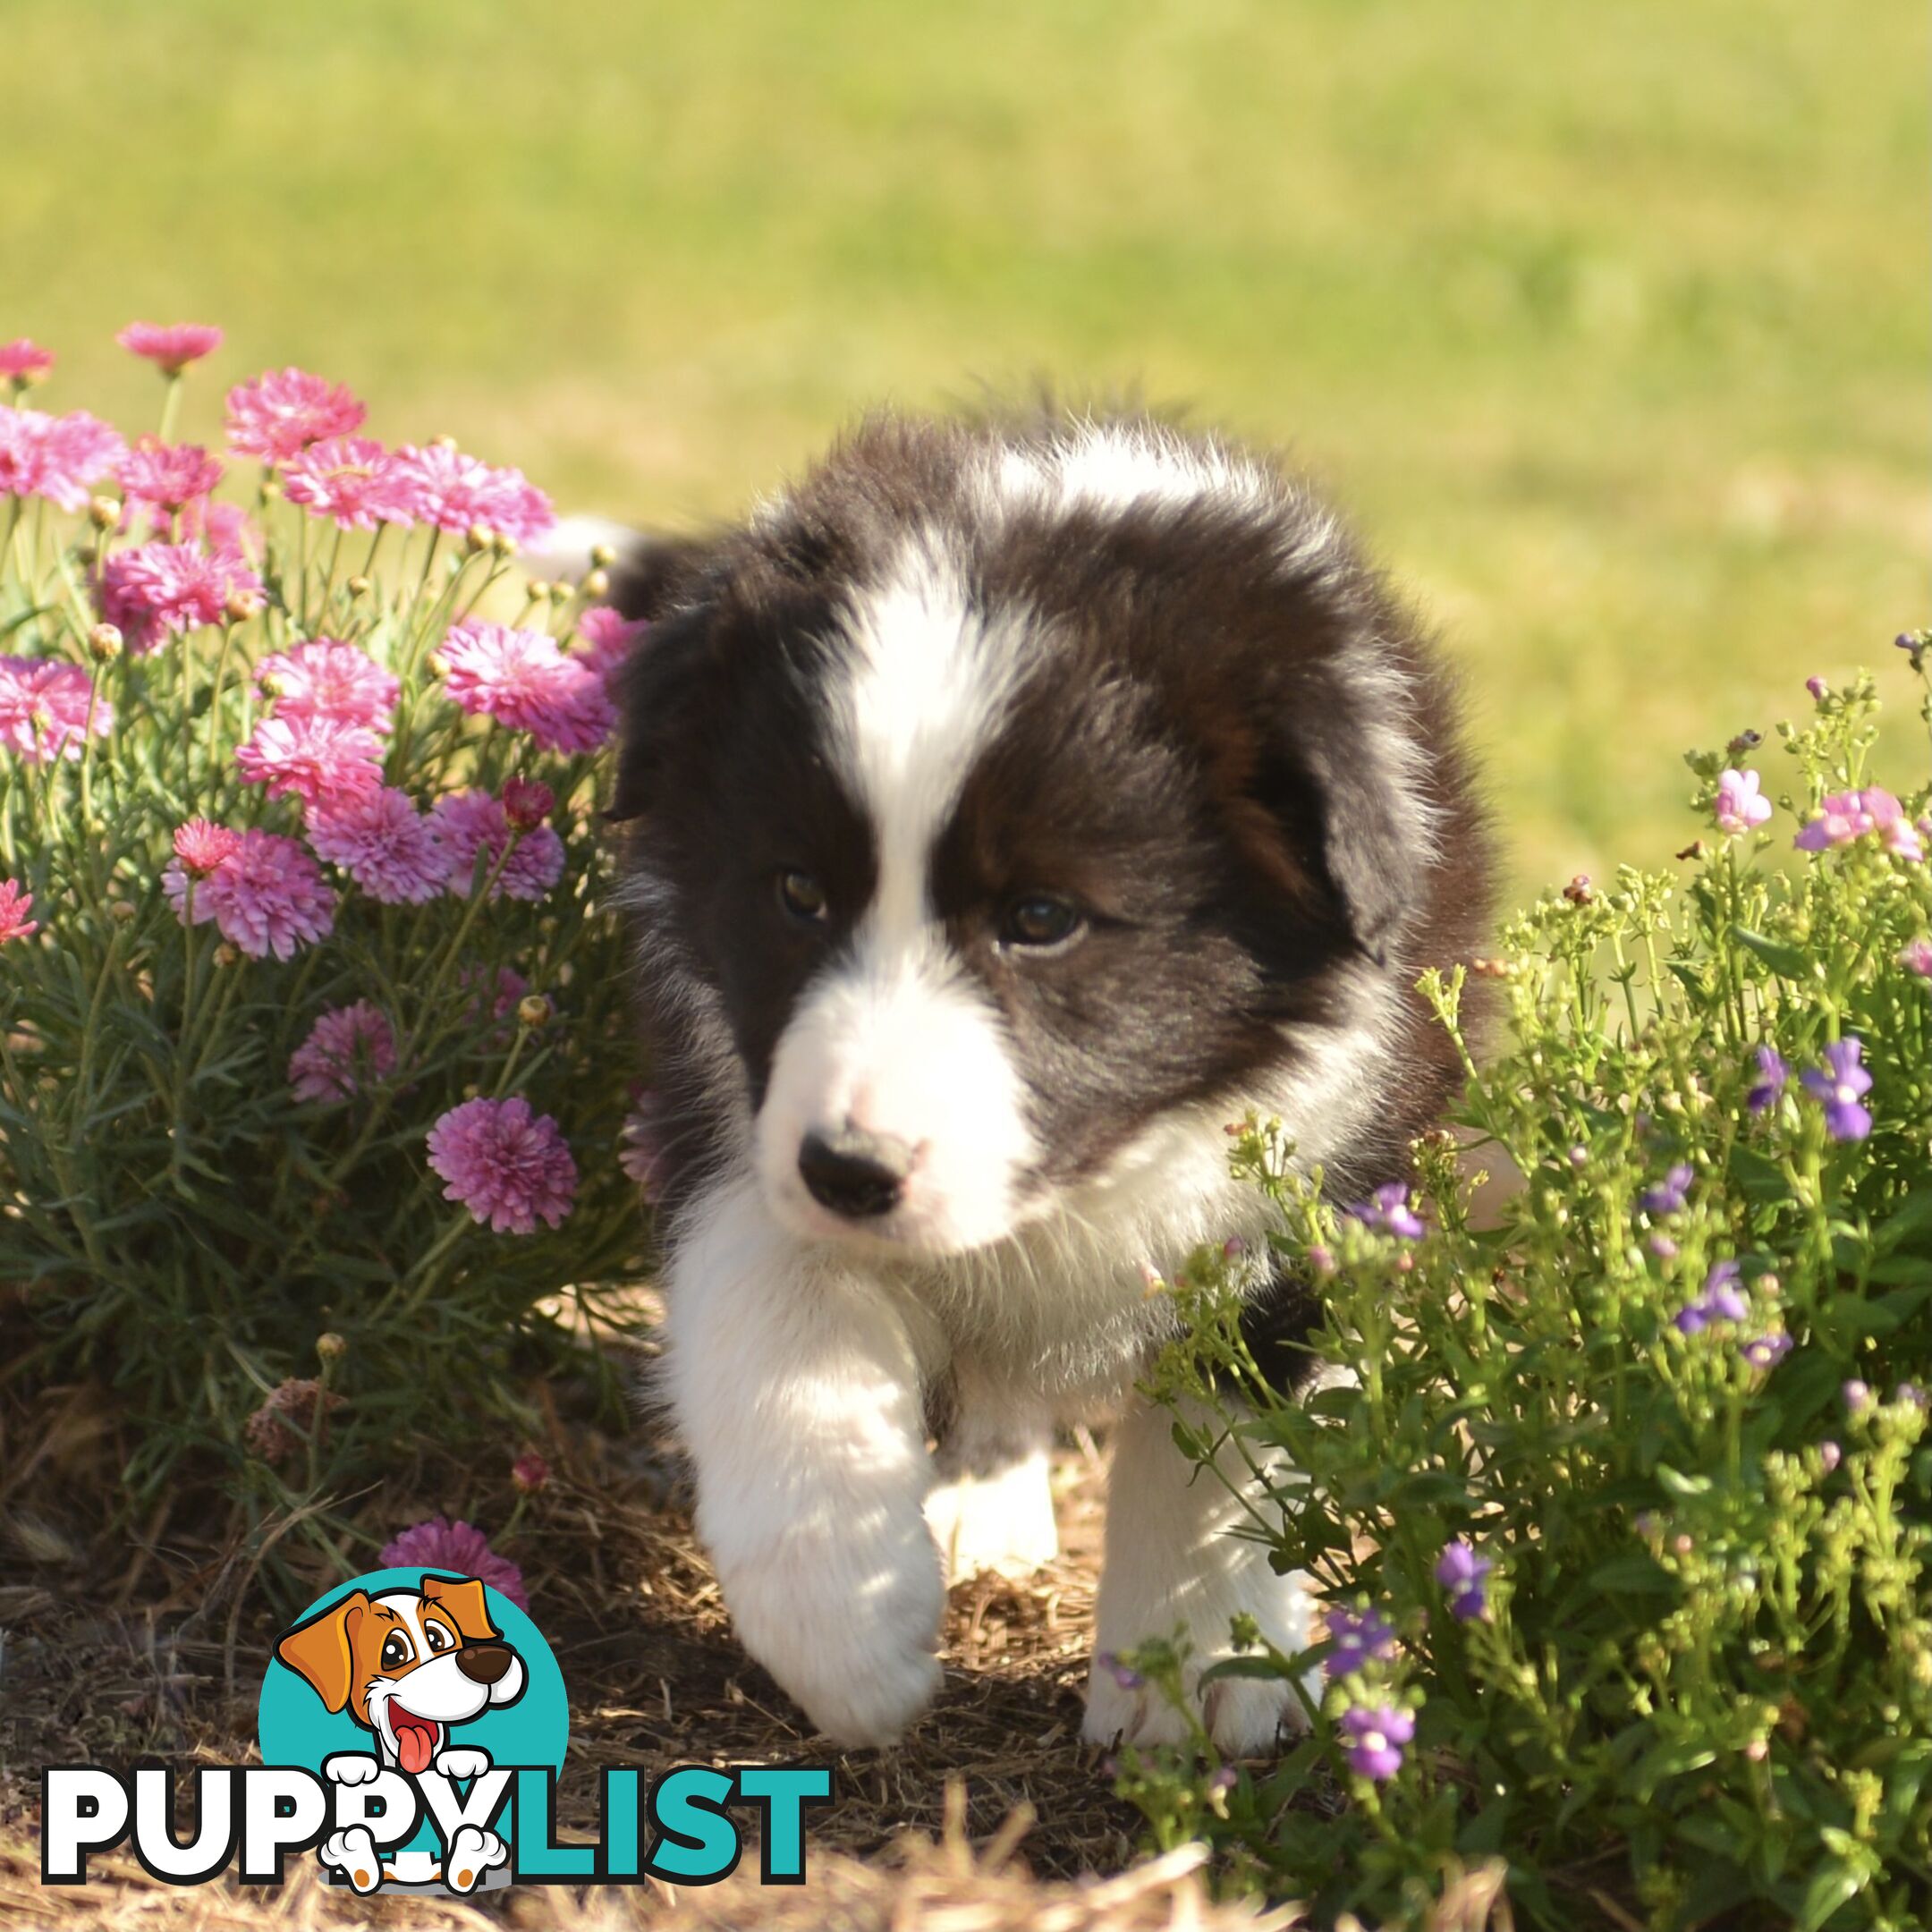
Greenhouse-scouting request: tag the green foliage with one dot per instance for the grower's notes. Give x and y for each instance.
(1702, 1679)
(180, 1229)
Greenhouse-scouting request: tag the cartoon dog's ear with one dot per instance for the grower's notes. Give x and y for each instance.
(320, 1649)
(464, 1598)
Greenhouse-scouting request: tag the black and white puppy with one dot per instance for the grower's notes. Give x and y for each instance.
(1016, 804)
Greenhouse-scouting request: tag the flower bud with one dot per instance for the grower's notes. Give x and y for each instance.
(1577, 891)
(533, 1010)
(536, 590)
(477, 536)
(442, 442)
(239, 606)
(104, 642)
(529, 1472)
(273, 685)
(439, 664)
(330, 1346)
(228, 955)
(527, 802)
(358, 587)
(602, 556)
(1818, 688)
(119, 910)
(271, 488)
(560, 592)
(596, 584)
(504, 547)
(103, 512)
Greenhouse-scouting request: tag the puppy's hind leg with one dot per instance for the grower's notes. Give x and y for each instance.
(992, 1508)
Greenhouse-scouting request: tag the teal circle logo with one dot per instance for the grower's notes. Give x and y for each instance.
(416, 1694)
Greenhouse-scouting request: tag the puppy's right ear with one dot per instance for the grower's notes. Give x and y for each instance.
(320, 1649)
(653, 576)
(666, 687)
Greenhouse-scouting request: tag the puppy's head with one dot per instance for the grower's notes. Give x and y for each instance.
(407, 1664)
(999, 795)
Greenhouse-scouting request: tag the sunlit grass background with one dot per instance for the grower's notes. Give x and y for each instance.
(1609, 322)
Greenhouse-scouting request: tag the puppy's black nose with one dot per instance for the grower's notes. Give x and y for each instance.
(483, 1663)
(854, 1173)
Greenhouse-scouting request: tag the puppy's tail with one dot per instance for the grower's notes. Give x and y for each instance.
(649, 575)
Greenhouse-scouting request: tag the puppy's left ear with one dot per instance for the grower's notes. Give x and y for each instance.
(464, 1598)
(1341, 783)
(320, 1651)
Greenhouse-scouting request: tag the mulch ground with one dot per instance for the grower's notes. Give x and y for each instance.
(993, 1814)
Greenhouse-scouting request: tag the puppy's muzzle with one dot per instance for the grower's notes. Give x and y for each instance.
(484, 1663)
(855, 1174)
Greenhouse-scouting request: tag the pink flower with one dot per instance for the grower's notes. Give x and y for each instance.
(57, 457)
(523, 681)
(279, 414)
(320, 759)
(1917, 958)
(22, 361)
(158, 589)
(201, 847)
(43, 706)
(1738, 806)
(223, 527)
(508, 1166)
(266, 896)
(385, 844)
(473, 822)
(608, 640)
(529, 1473)
(167, 475)
(170, 346)
(344, 1045)
(15, 905)
(351, 479)
(511, 985)
(457, 1549)
(327, 680)
(1843, 816)
(442, 486)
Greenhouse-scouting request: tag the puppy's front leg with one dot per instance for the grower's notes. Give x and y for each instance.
(798, 1392)
(1176, 1562)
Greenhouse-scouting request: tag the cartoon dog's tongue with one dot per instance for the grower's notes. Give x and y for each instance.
(415, 1740)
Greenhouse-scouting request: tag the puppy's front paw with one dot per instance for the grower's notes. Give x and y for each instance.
(351, 1767)
(461, 1761)
(352, 1853)
(848, 1626)
(472, 1853)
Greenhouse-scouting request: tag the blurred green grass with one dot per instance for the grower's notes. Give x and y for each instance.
(1609, 324)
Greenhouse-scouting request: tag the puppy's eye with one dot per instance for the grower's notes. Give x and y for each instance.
(1041, 921)
(396, 1651)
(802, 898)
(438, 1638)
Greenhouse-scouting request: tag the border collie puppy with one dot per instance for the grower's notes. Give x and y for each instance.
(1016, 804)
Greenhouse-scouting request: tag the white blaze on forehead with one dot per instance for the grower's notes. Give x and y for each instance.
(1110, 466)
(929, 679)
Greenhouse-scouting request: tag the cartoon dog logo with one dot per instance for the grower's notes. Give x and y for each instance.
(407, 1664)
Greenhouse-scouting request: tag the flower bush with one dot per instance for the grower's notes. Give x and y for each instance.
(310, 1109)
(1618, 1493)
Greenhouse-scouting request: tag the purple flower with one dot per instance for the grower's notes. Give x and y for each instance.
(1465, 1576)
(1829, 1455)
(507, 1165)
(1358, 1638)
(1856, 1395)
(1917, 958)
(1910, 1391)
(1837, 1085)
(1663, 1247)
(1124, 1674)
(1721, 1301)
(1771, 1074)
(457, 1546)
(1669, 1195)
(1375, 1737)
(1225, 1780)
(1766, 1351)
(1818, 687)
(1389, 1212)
